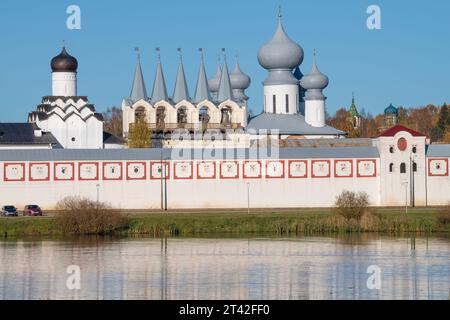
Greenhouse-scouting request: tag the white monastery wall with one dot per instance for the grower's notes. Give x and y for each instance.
(190, 184)
(438, 181)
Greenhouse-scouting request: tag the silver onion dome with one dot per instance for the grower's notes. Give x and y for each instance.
(239, 80)
(280, 52)
(315, 80)
(214, 82)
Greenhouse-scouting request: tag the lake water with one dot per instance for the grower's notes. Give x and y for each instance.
(227, 268)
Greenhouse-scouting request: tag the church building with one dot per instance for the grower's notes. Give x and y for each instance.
(294, 104)
(68, 117)
(218, 104)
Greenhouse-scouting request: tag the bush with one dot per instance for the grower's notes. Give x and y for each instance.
(83, 216)
(444, 217)
(352, 205)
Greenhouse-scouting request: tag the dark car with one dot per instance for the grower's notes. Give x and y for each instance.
(32, 210)
(9, 211)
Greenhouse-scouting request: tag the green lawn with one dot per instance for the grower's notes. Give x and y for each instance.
(278, 222)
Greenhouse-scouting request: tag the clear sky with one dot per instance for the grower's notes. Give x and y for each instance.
(405, 63)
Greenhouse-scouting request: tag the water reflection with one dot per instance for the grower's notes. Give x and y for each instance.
(226, 268)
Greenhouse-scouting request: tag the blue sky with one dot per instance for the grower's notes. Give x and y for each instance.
(405, 63)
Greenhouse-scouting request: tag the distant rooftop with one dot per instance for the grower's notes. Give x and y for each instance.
(289, 124)
(397, 128)
(321, 143)
(24, 133)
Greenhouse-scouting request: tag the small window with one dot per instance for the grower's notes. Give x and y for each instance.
(391, 149)
(287, 103)
(274, 103)
(73, 139)
(391, 167)
(414, 149)
(414, 165)
(403, 168)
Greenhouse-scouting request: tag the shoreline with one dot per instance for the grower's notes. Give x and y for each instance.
(235, 222)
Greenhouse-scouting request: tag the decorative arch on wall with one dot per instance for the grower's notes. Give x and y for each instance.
(141, 108)
(391, 167)
(403, 167)
(204, 116)
(191, 111)
(213, 111)
(140, 113)
(170, 113)
(236, 111)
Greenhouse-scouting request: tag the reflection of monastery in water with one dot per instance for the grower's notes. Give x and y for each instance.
(310, 268)
(63, 150)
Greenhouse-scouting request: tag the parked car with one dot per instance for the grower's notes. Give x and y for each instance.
(9, 211)
(32, 210)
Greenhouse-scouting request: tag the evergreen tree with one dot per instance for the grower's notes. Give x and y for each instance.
(444, 119)
(443, 122)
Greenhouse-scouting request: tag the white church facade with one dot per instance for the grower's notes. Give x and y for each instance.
(218, 104)
(68, 117)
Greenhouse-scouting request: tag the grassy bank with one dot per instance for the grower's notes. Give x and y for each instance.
(275, 222)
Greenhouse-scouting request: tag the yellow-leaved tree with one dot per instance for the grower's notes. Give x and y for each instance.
(140, 135)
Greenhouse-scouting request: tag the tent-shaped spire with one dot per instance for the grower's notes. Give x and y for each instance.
(138, 90)
(353, 110)
(159, 85)
(202, 89)
(181, 90)
(225, 91)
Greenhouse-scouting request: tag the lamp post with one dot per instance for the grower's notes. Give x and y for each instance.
(413, 165)
(163, 176)
(98, 193)
(248, 197)
(165, 184)
(406, 196)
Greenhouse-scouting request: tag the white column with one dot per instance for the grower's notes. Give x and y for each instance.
(285, 101)
(315, 112)
(64, 84)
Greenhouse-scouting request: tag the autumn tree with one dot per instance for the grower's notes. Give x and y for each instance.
(340, 120)
(140, 135)
(113, 121)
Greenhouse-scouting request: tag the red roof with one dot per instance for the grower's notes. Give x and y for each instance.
(395, 129)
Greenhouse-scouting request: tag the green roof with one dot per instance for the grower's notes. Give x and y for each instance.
(353, 111)
(391, 110)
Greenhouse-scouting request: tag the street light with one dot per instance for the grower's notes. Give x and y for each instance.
(412, 166)
(406, 196)
(98, 193)
(248, 197)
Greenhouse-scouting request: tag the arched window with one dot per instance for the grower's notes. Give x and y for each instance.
(203, 116)
(414, 165)
(403, 168)
(139, 114)
(274, 97)
(182, 115)
(391, 167)
(160, 116)
(287, 103)
(226, 116)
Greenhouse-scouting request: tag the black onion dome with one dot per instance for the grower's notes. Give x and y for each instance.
(64, 62)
